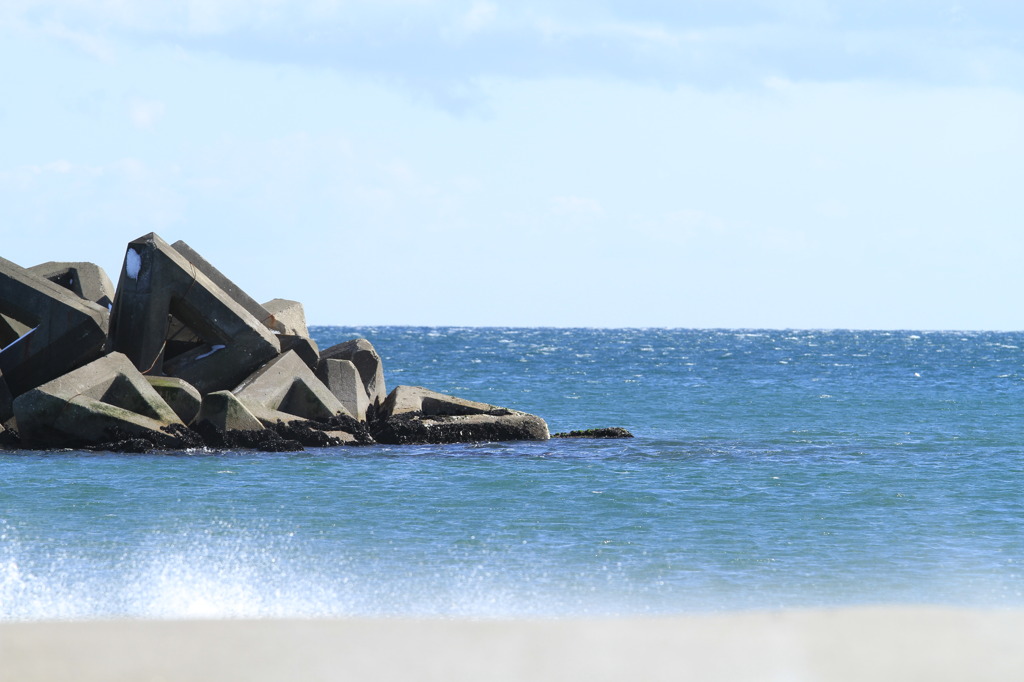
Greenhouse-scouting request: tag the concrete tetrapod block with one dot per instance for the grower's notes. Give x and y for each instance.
(65, 331)
(415, 399)
(362, 354)
(182, 397)
(11, 330)
(106, 400)
(88, 280)
(286, 317)
(304, 347)
(156, 282)
(226, 413)
(342, 379)
(416, 415)
(233, 291)
(286, 384)
(178, 334)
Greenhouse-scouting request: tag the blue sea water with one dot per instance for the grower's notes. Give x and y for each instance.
(770, 469)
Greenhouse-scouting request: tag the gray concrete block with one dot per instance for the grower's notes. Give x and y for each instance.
(64, 331)
(233, 291)
(182, 397)
(157, 282)
(304, 347)
(226, 413)
(87, 280)
(286, 317)
(362, 354)
(286, 384)
(412, 414)
(102, 401)
(406, 399)
(11, 330)
(342, 379)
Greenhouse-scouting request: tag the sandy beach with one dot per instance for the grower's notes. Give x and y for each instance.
(874, 643)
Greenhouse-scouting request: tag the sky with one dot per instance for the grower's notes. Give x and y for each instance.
(634, 163)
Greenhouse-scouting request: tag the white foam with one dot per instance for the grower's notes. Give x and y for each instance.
(132, 263)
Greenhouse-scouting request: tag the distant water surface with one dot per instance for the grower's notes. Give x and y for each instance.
(770, 469)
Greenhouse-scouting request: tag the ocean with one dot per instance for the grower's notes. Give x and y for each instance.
(770, 469)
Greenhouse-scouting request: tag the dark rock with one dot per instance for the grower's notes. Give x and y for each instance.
(316, 434)
(412, 427)
(177, 438)
(612, 432)
(265, 440)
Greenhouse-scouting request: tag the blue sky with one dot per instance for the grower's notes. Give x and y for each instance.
(747, 163)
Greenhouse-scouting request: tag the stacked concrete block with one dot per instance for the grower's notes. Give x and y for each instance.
(226, 413)
(232, 290)
(181, 396)
(286, 390)
(304, 347)
(190, 358)
(363, 355)
(106, 400)
(88, 280)
(412, 414)
(343, 380)
(286, 317)
(11, 330)
(157, 282)
(63, 333)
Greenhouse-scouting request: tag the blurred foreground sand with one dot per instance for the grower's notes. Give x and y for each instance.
(880, 643)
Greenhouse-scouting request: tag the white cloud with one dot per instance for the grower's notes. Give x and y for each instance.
(445, 47)
(480, 16)
(144, 113)
(577, 207)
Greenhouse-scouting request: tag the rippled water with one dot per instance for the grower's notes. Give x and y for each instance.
(770, 469)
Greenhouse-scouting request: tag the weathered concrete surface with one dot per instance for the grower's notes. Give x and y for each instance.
(286, 317)
(156, 281)
(342, 379)
(181, 396)
(11, 330)
(104, 401)
(412, 414)
(416, 399)
(286, 384)
(66, 331)
(304, 347)
(225, 412)
(235, 292)
(88, 280)
(362, 354)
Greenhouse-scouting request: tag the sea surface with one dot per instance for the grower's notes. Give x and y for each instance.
(770, 469)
